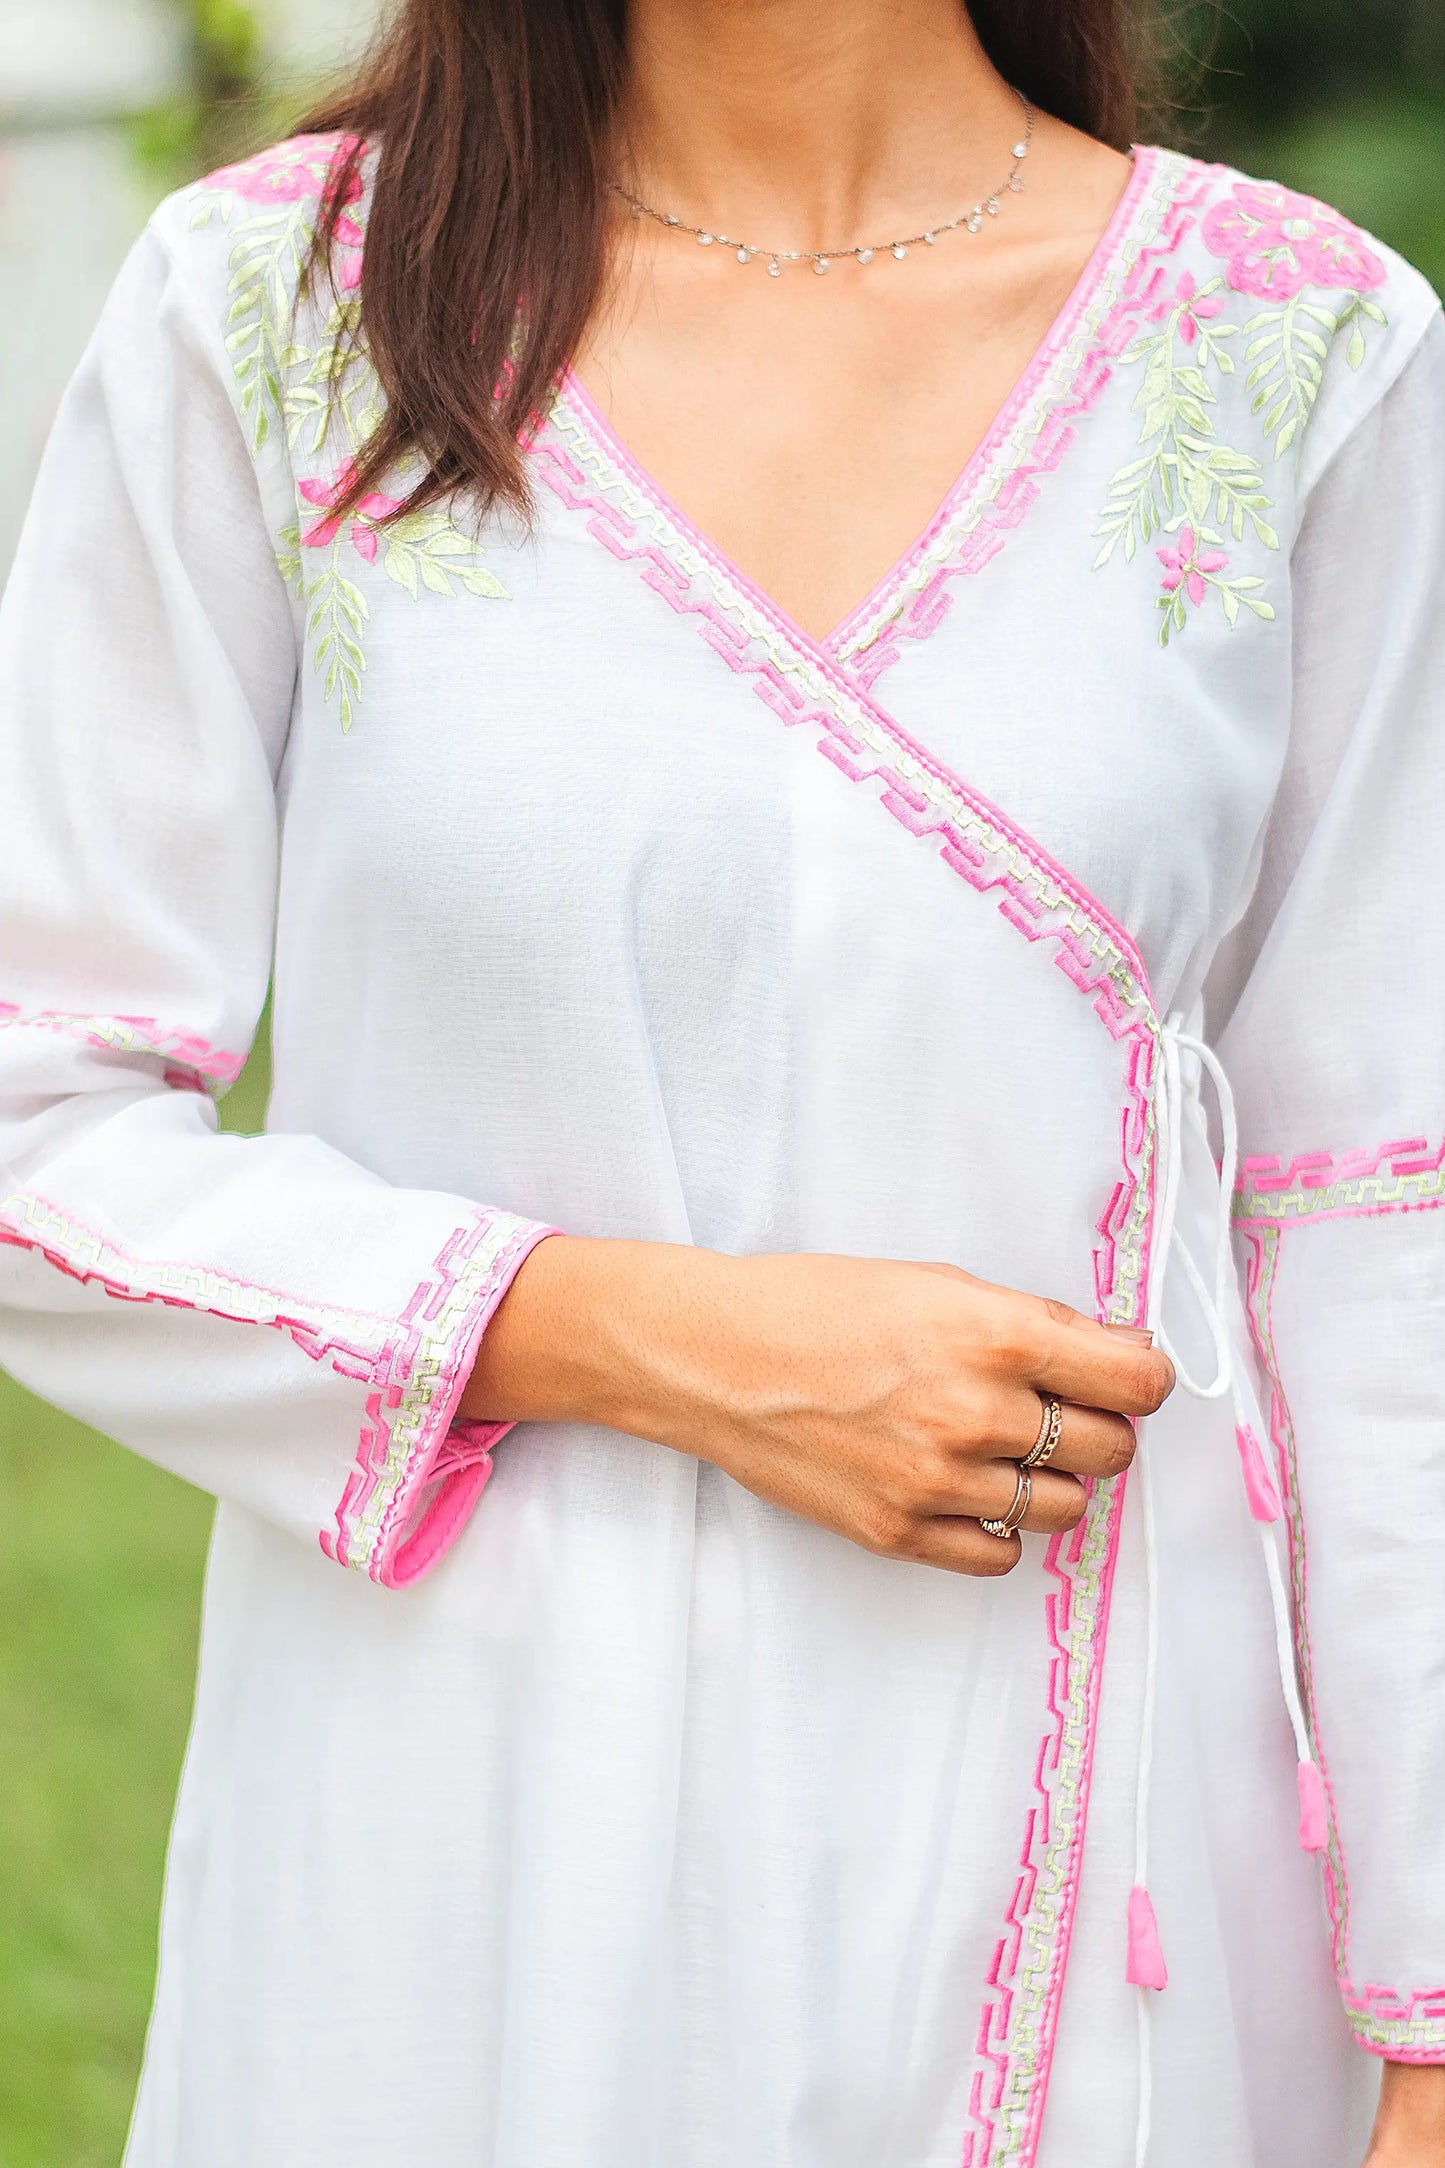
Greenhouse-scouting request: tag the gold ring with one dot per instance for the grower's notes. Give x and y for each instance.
(1051, 1430)
(1016, 1511)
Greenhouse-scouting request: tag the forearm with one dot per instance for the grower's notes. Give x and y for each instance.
(595, 1331)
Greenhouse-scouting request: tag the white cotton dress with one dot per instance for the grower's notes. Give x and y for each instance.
(552, 1801)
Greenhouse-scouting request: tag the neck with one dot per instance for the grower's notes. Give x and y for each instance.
(816, 120)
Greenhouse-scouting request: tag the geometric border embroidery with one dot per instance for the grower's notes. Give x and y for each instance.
(1404, 1176)
(411, 1485)
(594, 478)
(1035, 429)
(195, 1058)
(1311, 1190)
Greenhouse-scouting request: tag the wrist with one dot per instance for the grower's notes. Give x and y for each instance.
(590, 1331)
(1410, 2125)
(527, 1368)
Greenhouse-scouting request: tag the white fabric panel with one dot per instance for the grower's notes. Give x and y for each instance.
(650, 1826)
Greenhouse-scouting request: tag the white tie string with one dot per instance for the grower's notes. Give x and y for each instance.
(1215, 1304)
(1219, 1308)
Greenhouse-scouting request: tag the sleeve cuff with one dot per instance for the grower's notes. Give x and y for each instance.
(420, 1468)
(1399, 2028)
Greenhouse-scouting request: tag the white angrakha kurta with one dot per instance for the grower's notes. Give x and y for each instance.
(613, 1818)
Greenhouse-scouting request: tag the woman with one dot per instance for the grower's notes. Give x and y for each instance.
(463, 539)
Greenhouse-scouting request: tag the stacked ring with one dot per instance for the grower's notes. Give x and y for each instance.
(1046, 1443)
(1016, 1511)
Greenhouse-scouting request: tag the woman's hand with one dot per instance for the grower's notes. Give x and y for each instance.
(889, 1402)
(1410, 2127)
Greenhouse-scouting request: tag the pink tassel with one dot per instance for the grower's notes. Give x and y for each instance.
(1259, 1484)
(1146, 1967)
(1314, 1822)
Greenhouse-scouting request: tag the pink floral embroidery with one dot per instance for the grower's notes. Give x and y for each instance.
(1277, 243)
(363, 525)
(1189, 563)
(298, 172)
(1192, 565)
(1191, 483)
(1196, 307)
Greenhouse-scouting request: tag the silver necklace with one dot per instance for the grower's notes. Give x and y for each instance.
(861, 252)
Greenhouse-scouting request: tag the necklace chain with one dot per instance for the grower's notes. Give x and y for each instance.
(861, 252)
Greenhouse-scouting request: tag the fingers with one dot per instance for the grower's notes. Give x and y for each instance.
(1056, 1502)
(988, 1491)
(1058, 1350)
(1093, 1442)
(960, 1546)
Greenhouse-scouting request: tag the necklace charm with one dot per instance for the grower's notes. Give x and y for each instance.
(865, 252)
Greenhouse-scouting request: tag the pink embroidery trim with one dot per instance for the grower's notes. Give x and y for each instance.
(1401, 1176)
(852, 643)
(380, 1514)
(1043, 902)
(981, 524)
(621, 536)
(136, 1035)
(414, 1482)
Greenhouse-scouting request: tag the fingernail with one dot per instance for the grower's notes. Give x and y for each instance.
(1132, 1332)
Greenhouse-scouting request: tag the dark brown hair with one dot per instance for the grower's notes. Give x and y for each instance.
(486, 242)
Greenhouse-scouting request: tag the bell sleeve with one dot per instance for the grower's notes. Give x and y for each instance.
(1329, 1016)
(260, 1315)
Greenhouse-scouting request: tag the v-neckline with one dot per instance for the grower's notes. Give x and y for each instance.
(857, 627)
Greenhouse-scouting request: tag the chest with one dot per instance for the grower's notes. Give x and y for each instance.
(600, 732)
(614, 725)
(811, 429)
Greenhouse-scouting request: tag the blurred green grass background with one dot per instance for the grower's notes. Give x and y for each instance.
(100, 1584)
(100, 1574)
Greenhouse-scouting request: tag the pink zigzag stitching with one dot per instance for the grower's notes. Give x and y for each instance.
(1375, 2004)
(1349, 1185)
(415, 1373)
(135, 1035)
(1019, 490)
(1029, 907)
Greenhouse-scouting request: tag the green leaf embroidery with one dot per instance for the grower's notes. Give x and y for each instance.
(421, 551)
(336, 612)
(1187, 483)
(267, 258)
(303, 371)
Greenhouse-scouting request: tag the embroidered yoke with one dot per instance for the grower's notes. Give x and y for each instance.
(613, 1818)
